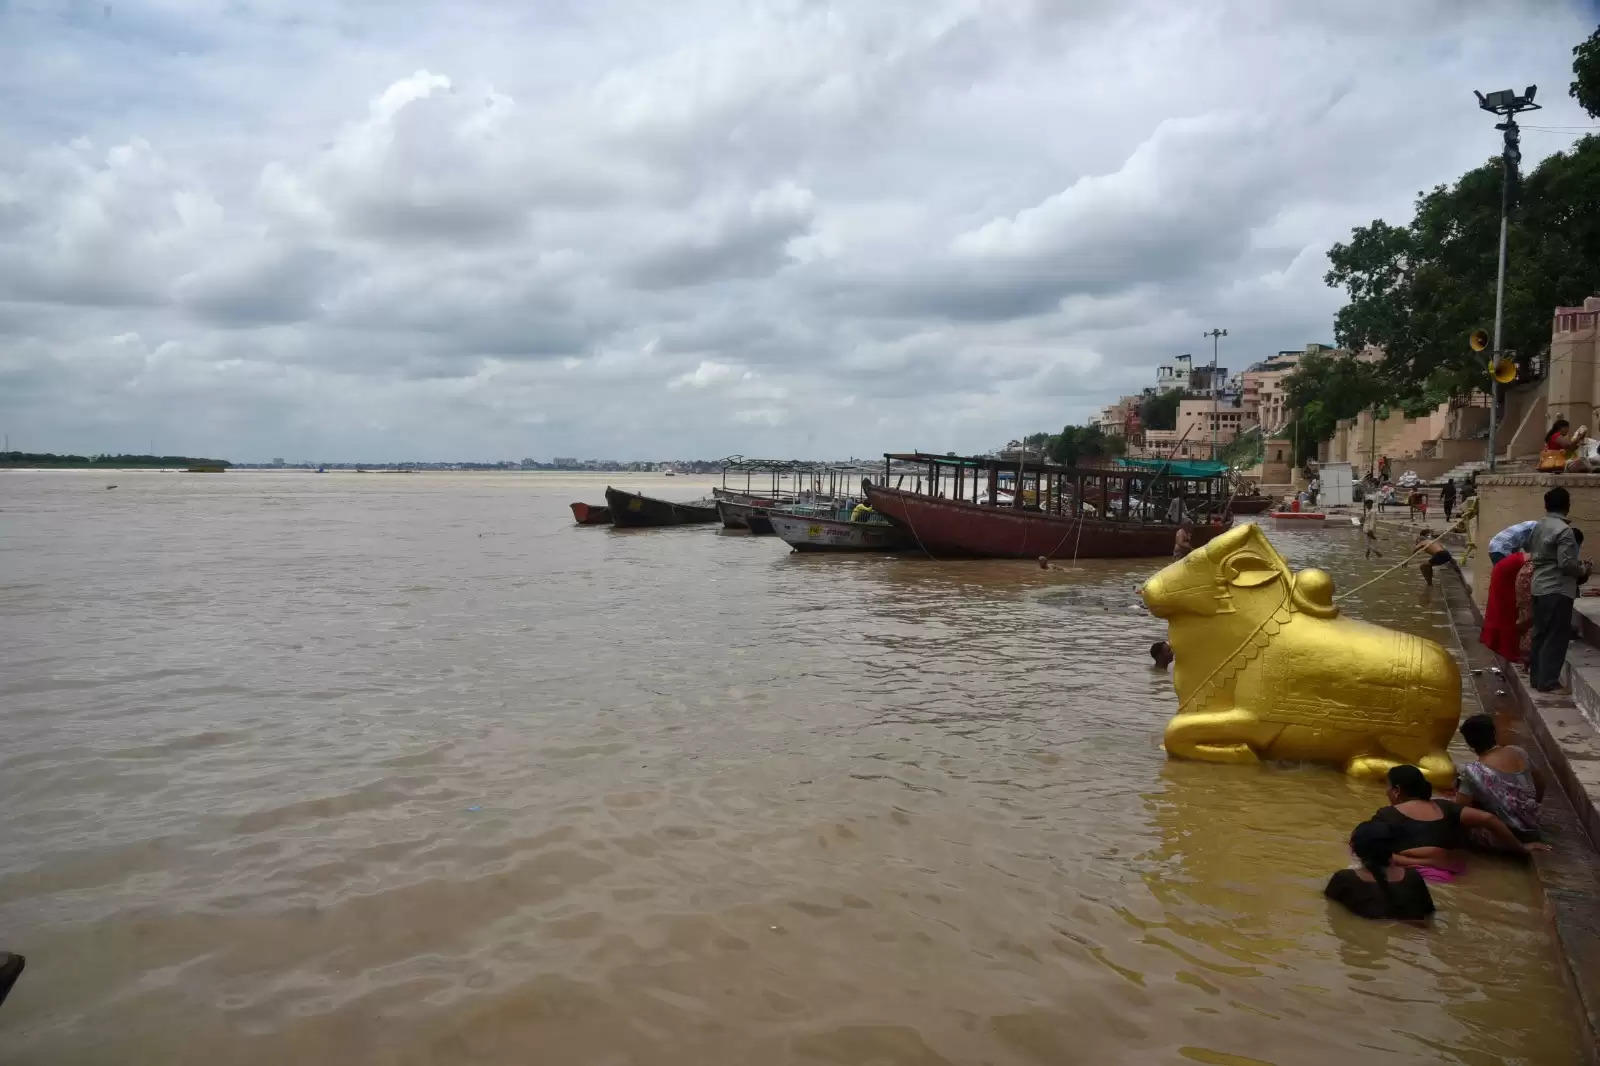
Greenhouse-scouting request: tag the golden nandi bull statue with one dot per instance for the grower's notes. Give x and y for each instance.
(1267, 669)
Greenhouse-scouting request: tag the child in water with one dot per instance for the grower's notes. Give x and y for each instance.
(1161, 652)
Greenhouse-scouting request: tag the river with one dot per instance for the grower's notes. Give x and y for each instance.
(353, 768)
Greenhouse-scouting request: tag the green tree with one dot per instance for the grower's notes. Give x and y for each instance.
(1076, 443)
(1322, 390)
(1585, 87)
(1160, 410)
(1244, 450)
(1418, 291)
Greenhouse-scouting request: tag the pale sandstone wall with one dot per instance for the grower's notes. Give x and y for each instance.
(1506, 499)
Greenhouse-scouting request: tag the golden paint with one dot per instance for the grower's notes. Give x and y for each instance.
(1267, 668)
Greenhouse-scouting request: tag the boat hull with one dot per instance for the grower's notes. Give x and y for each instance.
(955, 527)
(630, 510)
(746, 513)
(805, 533)
(591, 514)
(1250, 504)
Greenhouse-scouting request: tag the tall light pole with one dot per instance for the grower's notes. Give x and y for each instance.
(1214, 334)
(1507, 103)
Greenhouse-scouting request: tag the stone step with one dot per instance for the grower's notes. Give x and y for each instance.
(1574, 726)
(1586, 619)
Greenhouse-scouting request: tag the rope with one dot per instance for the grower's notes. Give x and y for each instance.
(913, 527)
(1418, 551)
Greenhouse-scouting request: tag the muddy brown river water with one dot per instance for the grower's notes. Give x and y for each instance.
(410, 770)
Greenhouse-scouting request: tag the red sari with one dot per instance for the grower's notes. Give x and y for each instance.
(1500, 613)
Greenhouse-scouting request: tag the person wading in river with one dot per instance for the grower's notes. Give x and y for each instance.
(1161, 652)
(1369, 528)
(1438, 555)
(1183, 541)
(1381, 888)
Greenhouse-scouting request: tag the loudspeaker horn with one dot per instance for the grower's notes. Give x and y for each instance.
(1479, 339)
(1503, 370)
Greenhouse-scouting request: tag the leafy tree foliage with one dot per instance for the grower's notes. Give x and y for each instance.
(1324, 389)
(52, 459)
(1417, 291)
(1076, 443)
(1038, 442)
(1586, 72)
(1244, 450)
(1160, 410)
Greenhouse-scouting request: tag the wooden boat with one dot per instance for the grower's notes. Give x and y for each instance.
(591, 514)
(1056, 512)
(792, 485)
(746, 512)
(632, 509)
(1298, 516)
(813, 533)
(1250, 504)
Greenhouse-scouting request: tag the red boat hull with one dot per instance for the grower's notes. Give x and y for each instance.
(591, 514)
(954, 527)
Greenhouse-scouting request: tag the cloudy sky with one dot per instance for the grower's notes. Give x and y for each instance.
(363, 229)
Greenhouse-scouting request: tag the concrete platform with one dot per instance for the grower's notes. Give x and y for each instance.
(1566, 748)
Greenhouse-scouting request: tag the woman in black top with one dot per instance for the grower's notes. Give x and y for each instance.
(1380, 889)
(1428, 833)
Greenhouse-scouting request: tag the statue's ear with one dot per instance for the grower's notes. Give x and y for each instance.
(1247, 570)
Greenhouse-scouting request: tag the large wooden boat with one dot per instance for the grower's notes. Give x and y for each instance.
(632, 509)
(1250, 504)
(1054, 511)
(813, 533)
(591, 514)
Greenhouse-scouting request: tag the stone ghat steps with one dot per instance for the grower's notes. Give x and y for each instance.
(1565, 746)
(1577, 731)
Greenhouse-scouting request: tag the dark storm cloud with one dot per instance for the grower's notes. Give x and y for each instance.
(707, 227)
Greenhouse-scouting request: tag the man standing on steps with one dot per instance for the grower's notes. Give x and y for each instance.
(1553, 554)
(1448, 498)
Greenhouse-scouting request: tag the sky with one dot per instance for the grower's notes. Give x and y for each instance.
(353, 229)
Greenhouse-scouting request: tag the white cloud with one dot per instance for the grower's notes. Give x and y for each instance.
(709, 373)
(626, 229)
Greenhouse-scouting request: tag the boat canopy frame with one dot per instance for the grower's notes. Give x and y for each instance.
(1060, 489)
(790, 479)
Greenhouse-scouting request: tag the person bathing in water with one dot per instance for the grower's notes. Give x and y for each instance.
(1503, 781)
(1438, 555)
(1161, 652)
(1430, 834)
(1381, 887)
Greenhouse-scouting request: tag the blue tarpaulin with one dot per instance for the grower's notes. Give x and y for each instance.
(1178, 467)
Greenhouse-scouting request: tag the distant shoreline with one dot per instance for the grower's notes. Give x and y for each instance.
(10, 460)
